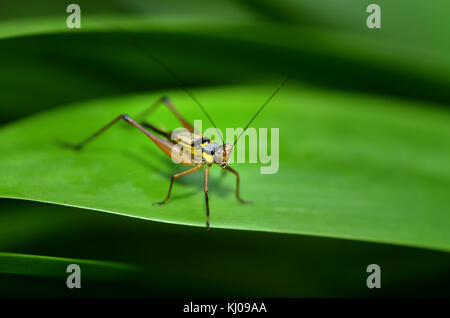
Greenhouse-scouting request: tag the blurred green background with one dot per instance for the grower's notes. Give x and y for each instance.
(321, 44)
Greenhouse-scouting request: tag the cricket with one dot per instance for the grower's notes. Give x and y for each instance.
(206, 152)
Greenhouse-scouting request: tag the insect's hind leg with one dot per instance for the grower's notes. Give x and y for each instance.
(83, 143)
(166, 101)
(124, 117)
(160, 131)
(178, 175)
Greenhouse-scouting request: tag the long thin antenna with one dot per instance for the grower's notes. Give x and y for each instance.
(182, 83)
(261, 108)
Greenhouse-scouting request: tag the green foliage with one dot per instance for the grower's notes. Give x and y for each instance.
(364, 148)
(351, 166)
(37, 265)
(189, 261)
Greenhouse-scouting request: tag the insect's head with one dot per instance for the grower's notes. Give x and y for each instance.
(222, 155)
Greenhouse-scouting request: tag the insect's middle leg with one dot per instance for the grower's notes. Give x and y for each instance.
(178, 175)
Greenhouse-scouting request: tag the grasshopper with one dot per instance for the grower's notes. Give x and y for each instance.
(209, 151)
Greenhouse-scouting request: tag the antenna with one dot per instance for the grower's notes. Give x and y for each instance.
(261, 108)
(176, 77)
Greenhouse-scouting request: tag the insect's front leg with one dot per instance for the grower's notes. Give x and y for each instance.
(178, 175)
(206, 196)
(238, 197)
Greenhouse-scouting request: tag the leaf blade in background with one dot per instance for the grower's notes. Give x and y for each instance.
(47, 266)
(101, 60)
(182, 261)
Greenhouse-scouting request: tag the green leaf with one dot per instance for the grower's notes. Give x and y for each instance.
(46, 266)
(351, 166)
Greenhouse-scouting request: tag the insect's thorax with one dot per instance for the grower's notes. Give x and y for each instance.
(198, 145)
(208, 148)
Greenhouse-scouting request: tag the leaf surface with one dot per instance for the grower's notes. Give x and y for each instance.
(350, 166)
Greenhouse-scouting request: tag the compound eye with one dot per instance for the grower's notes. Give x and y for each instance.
(219, 149)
